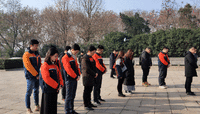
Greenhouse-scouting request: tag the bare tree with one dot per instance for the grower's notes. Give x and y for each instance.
(57, 22)
(30, 26)
(10, 26)
(168, 15)
(88, 8)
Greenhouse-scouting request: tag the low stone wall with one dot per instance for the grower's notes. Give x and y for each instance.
(175, 61)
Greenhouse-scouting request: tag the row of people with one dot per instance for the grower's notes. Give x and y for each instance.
(53, 72)
(163, 64)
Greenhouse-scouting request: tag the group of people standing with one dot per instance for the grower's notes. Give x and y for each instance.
(64, 73)
(121, 61)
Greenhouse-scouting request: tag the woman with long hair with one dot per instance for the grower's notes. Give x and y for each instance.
(53, 82)
(129, 81)
(120, 68)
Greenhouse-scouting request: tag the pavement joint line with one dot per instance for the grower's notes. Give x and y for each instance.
(197, 102)
(125, 104)
(169, 102)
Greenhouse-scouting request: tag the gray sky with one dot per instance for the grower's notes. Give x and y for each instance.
(115, 5)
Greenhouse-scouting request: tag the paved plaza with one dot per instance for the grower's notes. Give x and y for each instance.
(145, 100)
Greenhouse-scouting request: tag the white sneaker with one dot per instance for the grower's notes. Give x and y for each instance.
(166, 86)
(162, 87)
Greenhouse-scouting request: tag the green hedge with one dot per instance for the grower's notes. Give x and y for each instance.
(178, 41)
(10, 63)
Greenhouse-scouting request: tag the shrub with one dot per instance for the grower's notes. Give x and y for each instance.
(10, 63)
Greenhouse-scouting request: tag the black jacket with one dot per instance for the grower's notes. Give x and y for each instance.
(112, 60)
(146, 61)
(88, 70)
(190, 65)
(79, 58)
(130, 79)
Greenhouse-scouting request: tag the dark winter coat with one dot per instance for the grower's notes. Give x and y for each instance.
(88, 70)
(146, 61)
(79, 58)
(130, 79)
(190, 65)
(112, 60)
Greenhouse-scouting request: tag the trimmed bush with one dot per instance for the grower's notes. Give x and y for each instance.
(10, 63)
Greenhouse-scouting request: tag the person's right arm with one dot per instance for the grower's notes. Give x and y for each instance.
(67, 67)
(28, 65)
(98, 65)
(119, 69)
(46, 77)
(191, 61)
(85, 65)
(162, 59)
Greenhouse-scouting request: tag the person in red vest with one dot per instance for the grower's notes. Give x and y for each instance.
(163, 64)
(101, 69)
(72, 76)
(53, 82)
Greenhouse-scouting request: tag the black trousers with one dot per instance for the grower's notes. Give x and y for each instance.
(145, 74)
(63, 90)
(112, 72)
(162, 76)
(97, 88)
(188, 83)
(119, 85)
(87, 95)
(49, 103)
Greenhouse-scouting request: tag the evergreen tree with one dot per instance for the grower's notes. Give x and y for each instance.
(135, 25)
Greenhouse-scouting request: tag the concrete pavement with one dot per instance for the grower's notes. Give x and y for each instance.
(145, 100)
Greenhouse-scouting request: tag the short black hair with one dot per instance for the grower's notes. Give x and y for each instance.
(100, 47)
(193, 47)
(76, 47)
(165, 47)
(67, 48)
(34, 41)
(148, 48)
(91, 48)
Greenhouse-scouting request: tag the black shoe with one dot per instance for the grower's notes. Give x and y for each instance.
(89, 108)
(102, 100)
(125, 91)
(121, 95)
(190, 93)
(112, 77)
(74, 112)
(97, 103)
(91, 105)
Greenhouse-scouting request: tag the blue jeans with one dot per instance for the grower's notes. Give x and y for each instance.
(71, 86)
(32, 85)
